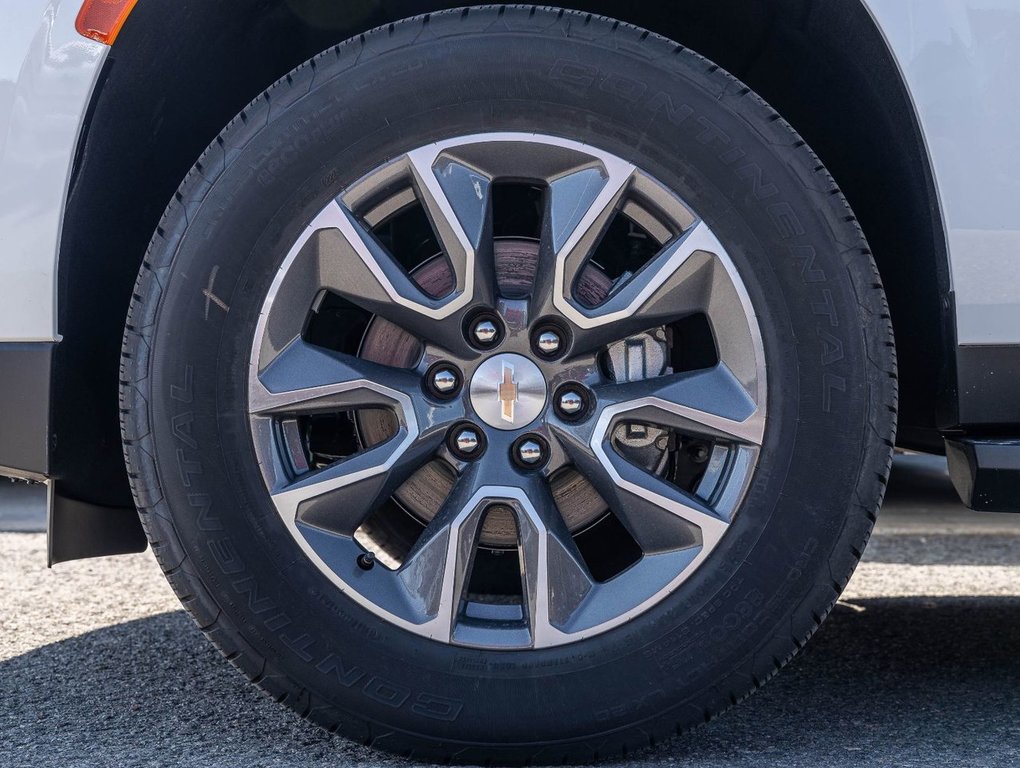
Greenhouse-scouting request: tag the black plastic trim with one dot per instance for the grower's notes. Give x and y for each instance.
(25, 370)
(986, 472)
(988, 387)
(78, 530)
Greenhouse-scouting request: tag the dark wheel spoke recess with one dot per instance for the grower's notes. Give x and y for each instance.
(546, 394)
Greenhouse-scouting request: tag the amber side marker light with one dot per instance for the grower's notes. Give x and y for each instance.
(102, 19)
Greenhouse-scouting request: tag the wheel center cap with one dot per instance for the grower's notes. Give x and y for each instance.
(508, 391)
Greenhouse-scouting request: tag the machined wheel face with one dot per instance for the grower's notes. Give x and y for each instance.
(507, 391)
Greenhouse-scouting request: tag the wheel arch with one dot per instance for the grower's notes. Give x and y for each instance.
(823, 65)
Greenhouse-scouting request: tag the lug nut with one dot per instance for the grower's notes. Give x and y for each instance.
(548, 342)
(485, 332)
(530, 452)
(467, 441)
(571, 403)
(443, 381)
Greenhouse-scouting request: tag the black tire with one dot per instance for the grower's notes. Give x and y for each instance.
(812, 281)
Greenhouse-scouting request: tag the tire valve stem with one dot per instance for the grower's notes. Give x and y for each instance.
(366, 561)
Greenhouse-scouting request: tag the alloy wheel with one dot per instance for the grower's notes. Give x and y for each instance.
(531, 426)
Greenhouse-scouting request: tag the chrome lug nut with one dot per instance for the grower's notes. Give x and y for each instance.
(445, 381)
(548, 342)
(571, 403)
(485, 332)
(442, 380)
(530, 452)
(467, 441)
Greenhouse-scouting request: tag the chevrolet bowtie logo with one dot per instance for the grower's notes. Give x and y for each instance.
(508, 393)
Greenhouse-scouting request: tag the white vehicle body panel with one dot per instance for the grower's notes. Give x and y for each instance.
(959, 59)
(47, 71)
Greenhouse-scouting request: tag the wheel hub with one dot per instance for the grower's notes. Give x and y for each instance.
(508, 391)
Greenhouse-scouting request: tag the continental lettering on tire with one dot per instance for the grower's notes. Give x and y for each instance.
(187, 468)
(185, 392)
(806, 256)
(391, 694)
(180, 425)
(630, 90)
(202, 504)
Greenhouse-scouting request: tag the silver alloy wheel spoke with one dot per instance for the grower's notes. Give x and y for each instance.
(678, 276)
(305, 378)
(710, 403)
(579, 207)
(438, 568)
(556, 579)
(436, 571)
(457, 200)
(644, 500)
(368, 276)
(656, 514)
(341, 496)
(347, 259)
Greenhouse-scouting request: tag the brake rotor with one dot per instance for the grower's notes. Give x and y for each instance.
(516, 261)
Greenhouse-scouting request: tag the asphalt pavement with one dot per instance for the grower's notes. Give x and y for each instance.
(919, 664)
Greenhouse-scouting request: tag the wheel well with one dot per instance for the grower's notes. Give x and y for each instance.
(180, 72)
